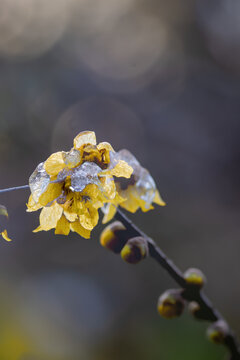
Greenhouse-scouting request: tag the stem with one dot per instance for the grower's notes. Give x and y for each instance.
(14, 188)
(190, 293)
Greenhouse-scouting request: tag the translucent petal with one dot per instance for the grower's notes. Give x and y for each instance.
(72, 158)
(32, 205)
(78, 228)
(158, 200)
(85, 174)
(63, 226)
(131, 203)
(109, 212)
(83, 138)
(146, 187)
(5, 235)
(49, 216)
(52, 192)
(90, 217)
(55, 163)
(39, 181)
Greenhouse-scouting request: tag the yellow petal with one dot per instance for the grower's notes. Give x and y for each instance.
(105, 146)
(122, 169)
(158, 200)
(90, 217)
(110, 212)
(32, 205)
(5, 235)
(70, 215)
(39, 228)
(108, 187)
(78, 228)
(131, 202)
(3, 210)
(49, 216)
(53, 191)
(83, 138)
(55, 163)
(63, 226)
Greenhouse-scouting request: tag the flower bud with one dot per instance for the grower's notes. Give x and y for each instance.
(218, 331)
(135, 250)
(114, 237)
(194, 277)
(171, 304)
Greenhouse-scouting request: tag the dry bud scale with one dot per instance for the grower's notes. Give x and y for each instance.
(70, 187)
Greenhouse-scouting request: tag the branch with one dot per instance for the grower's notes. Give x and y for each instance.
(190, 293)
(14, 188)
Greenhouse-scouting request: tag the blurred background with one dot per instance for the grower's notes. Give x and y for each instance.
(161, 79)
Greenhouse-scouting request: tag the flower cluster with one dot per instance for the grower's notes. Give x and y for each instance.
(71, 186)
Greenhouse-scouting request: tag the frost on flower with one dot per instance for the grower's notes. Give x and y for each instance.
(70, 187)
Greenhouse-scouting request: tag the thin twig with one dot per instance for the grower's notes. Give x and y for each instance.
(190, 293)
(14, 188)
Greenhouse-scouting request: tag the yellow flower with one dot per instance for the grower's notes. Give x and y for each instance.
(71, 186)
(138, 191)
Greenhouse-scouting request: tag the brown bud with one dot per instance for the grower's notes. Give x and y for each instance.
(114, 237)
(218, 331)
(195, 277)
(171, 304)
(135, 250)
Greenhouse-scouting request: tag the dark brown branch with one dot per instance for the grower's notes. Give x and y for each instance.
(190, 293)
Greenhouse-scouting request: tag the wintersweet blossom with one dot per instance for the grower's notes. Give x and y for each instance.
(70, 187)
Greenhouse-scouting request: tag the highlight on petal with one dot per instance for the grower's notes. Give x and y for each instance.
(84, 138)
(78, 228)
(63, 226)
(3, 211)
(5, 235)
(55, 163)
(49, 216)
(39, 181)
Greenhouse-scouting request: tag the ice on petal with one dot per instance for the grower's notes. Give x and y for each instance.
(62, 175)
(128, 157)
(39, 181)
(146, 187)
(72, 158)
(85, 174)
